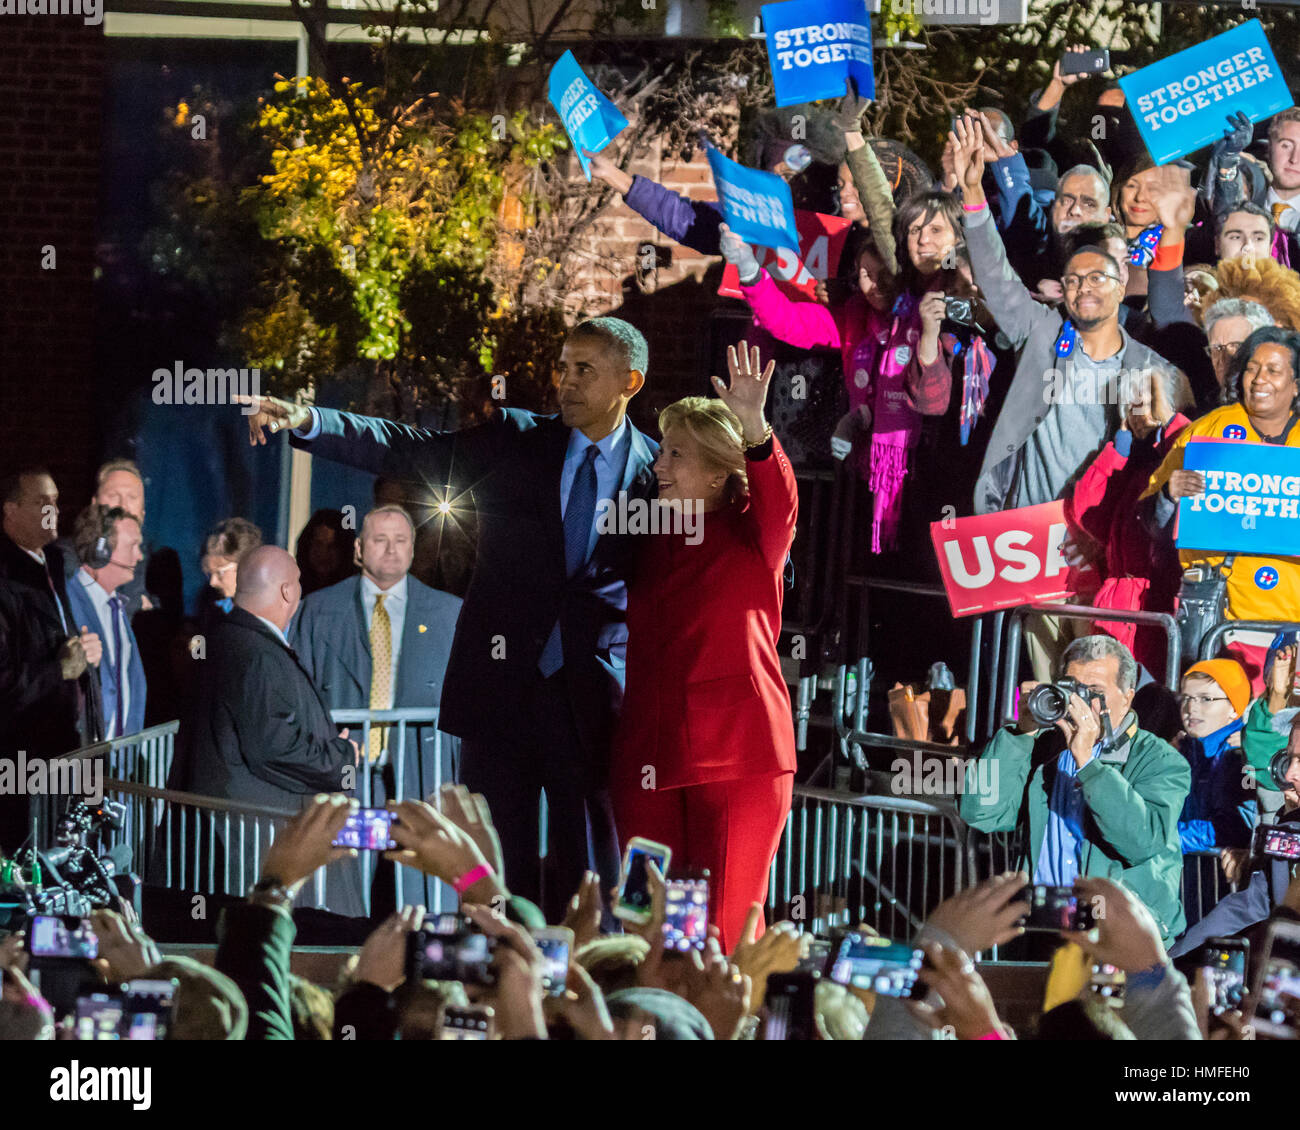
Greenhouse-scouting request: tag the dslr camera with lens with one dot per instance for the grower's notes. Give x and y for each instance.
(1048, 703)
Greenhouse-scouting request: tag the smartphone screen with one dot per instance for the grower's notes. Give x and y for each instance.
(1107, 981)
(1056, 908)
(450, 949)
(1277, 1007)
(864, 962)
(555, 948)
(367, 829)
(99, 1017)
(686, 914)
(54, 935)
(459, 1023)
(1225, 958)
(635, 893)
(147, 1007)
(790, 1007)
(1279, 843)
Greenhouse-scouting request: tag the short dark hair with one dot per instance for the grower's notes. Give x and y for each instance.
(1247, 206)
(232, 538)
(623, 337)
(1092, 249)
(97, 522)
(11, 486)
(1269, 335)
(1092, 235)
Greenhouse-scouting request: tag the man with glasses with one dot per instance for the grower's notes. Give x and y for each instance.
(1063, 403)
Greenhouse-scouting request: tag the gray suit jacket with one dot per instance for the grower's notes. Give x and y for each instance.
(329, 634)
(1033, 329)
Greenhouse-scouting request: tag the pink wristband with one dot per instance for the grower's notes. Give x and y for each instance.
(994, 1035)
(975, 207)
(463, 884)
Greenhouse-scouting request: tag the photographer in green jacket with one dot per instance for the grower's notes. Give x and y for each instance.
(1101, 796)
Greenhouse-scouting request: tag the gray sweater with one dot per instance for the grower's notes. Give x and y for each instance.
(1032, 329)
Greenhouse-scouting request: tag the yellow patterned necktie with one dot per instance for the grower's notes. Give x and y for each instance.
(381, 673)
(1278, 209)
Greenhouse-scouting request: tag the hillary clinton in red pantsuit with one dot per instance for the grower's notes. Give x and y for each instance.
(704, 759)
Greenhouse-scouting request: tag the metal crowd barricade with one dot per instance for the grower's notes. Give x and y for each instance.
(414, 776)
(887, 861)
(1204, 884)
(851, 716)
(1214, 637)
(1015, 632)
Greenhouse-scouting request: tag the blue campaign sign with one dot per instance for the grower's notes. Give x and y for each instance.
(1180, 103)
(814, 45)
(757, 205)
(1251, 503)
(591, 120)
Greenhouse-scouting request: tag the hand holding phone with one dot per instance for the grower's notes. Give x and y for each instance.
(1085, 63)
(367, 829)
(556, 944)
(1224, 961)
(1275, 1000)
(633, 902)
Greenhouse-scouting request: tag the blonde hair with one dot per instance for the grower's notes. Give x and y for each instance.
(718, 431)
(1264, 280)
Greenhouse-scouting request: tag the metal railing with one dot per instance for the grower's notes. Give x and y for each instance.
(1204, 884)
(1213, 639)
(1015, 632)
(212, 845)
(843, 860)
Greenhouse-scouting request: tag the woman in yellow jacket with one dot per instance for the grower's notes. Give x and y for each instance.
(1263, 396)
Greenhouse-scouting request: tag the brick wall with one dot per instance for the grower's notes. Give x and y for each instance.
(675, 312)
(51, 94)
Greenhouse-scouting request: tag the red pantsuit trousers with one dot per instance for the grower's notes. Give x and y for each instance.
(732, 828)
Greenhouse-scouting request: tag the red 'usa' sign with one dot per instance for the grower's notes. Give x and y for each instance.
(999, 560)
(821, 239)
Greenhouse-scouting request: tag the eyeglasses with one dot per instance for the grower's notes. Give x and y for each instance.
(1200, 699)
(1094, 280)
(1227, 351)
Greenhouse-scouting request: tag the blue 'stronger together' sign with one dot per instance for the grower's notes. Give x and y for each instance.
(1180, 103)
(591, 120)
(814, 45)
(1251, 503)
(757, 205)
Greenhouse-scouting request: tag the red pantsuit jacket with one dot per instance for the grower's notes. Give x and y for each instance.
(705, 699)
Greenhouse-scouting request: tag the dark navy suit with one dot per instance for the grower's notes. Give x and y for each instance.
(330, 636)
(523, 733)
(83, 611)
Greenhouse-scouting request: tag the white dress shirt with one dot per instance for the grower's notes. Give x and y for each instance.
(99, 598)
(1290, 219)
(395, 606)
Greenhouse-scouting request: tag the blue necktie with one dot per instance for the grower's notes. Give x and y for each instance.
(115, 603)
(578, 516)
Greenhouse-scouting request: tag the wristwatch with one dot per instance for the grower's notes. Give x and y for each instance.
(270, 891)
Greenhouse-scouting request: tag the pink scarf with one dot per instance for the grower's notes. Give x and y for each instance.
(895, 425)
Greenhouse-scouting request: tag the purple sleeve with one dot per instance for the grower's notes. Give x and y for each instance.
(805, 325)
(692, 223)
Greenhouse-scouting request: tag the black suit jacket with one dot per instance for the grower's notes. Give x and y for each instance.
(40, 711)
(510, 467)
(258, 730)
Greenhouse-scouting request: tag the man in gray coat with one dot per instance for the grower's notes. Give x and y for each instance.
(381, 640)
(1077, 370)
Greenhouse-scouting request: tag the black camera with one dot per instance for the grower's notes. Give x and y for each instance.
(1048, 703)
(959, 310)
(449, 947)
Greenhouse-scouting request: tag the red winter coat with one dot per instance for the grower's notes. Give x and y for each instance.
(1138, 573)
